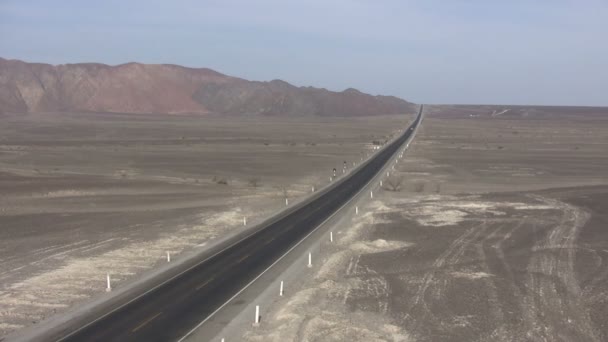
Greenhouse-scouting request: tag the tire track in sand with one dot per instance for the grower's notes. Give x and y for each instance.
(431, 282)
(553, 306)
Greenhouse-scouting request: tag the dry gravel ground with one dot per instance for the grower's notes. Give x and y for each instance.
(86, 194)
(499, 233)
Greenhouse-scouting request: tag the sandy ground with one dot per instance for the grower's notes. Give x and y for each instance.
(497, 234)
(82, 195)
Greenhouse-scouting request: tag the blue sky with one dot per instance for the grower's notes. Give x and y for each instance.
(428, 51)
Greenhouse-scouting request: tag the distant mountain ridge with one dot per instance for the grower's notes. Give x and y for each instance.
(172, 89)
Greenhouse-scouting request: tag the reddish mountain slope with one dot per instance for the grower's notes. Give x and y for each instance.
(146, 88)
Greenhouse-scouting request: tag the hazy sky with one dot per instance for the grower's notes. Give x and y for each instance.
(427, 51)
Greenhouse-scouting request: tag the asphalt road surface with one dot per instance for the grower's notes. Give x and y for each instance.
(169, 311)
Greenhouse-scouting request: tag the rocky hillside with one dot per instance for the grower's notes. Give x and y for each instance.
(152, 88)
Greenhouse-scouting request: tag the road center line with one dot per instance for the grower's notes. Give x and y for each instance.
(205, 283)
(243, 258)
(146, 322)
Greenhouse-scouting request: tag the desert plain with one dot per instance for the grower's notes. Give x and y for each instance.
(497, 232)
(85, 194)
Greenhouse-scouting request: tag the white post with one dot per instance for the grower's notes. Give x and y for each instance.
(109, 286)
(281, 289)
(257, 315)
(330, 178)
(313, 189)
(168, 257)
(387, 174)
(357, 210)
(244, 221)
(380, 183)
(331, 236)
(371, 194)
(286, 201)
(223, 340)
(309, 259)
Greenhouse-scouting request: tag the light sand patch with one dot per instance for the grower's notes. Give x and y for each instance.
(438, 211)
(434, 198)
(333, 264)
(353, 232)
(436, 216)
(335, 328)
(377, 246)
(68, 193)
(8, 327)
(81, 277)
(305, 318)
(367, 216)
(379, 206)
(297, 301)
(471, 275)
(525, 206)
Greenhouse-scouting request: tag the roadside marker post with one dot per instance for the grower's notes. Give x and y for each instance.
(168, 256)
(281, 289)
(257, 316)
(357, 210)
(109, 285)
(371, 194)
(331, 236)
(244, 221)
(380, 183)
(313, 189)
(309, 259)
(286, 201)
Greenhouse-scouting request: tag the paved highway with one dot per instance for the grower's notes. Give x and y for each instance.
(169, 311)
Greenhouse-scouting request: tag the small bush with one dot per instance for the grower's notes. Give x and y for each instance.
(393, 183)
(254, 181)
(220, 180)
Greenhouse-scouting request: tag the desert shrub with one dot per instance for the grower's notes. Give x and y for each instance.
(220, 180)
(393, 183)
(254, 181)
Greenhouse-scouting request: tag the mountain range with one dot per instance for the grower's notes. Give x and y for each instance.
(172, 89)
